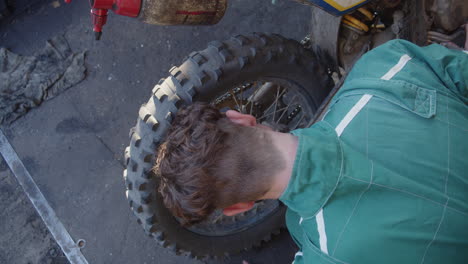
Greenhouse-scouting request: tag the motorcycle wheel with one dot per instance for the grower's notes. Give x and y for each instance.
(268, 76)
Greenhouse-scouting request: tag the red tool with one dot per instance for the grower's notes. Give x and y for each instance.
(159, 12)
(99, 9)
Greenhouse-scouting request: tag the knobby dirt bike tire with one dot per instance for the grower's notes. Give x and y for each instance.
(201, 77)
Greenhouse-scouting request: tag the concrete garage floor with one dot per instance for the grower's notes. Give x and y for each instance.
(73, 144)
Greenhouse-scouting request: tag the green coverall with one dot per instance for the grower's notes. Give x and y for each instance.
(383, 178)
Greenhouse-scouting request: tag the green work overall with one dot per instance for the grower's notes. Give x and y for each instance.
(383, 178)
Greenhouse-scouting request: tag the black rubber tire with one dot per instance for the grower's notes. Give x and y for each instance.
(203, 76)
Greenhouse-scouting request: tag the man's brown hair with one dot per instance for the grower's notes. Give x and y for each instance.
(208, 162)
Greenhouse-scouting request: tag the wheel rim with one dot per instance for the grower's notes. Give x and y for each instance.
(278, 103)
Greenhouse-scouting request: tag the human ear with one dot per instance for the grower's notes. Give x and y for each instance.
(238, 208)
(241, 119)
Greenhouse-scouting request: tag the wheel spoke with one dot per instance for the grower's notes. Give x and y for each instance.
(267, 115)
(235, 100)
(273, 103)
(276, 101)
(286, 110)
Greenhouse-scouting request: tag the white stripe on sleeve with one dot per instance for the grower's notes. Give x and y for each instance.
(352, 113)
(321, 231)
(397, 68)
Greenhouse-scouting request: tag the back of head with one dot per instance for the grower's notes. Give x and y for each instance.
(207, 162)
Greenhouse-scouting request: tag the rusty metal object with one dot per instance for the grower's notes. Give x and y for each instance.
(456, 40)
(449, 14)
(182, 12)
(441, 37)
